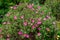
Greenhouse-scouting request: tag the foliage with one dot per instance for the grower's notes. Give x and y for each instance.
(27, 22)
(54, 5)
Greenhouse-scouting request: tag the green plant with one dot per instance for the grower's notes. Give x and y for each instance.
(28, 22)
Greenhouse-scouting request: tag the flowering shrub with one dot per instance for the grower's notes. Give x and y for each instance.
(28, 22)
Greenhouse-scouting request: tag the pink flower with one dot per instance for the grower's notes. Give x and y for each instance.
(14, 7)
(36, 25)
(32, 20)
(39, 28)
(26, 35)
(39, 22)
(15, 17)
(25, 23)
(22, 17)
(45, 19)
(4, 22)
(38, 34)
(20, 33)
(39, 7)
(47, 29)
(39, 19)
(33, 27)
(8, 39)
(30, 6)
(48, 17)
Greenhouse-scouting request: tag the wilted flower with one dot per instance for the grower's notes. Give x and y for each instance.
(26, 35)
(0, 30)
(47, 29)
(15, 17)
(33, 9)
(32, 4)
(31, 24)
(11, 7)
(4, 22)
(1, 35)
(38, 34)
(54, 23)
(8, 22)
(8, 35)
(36, 11)
(8, 14)
(25, 23)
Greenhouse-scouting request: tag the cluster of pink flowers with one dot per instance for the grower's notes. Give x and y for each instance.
(30, 6)
(34, 23)
(47, 17)
(25, 35)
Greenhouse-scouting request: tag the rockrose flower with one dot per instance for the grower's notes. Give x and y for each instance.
(30, 6)
(45, 19)
(25, 23)
(36, 25)
(33, 26)
(20, 33)
(39, 28)
(39, 22)
(14, 7)
(15, 17)
(38, 34)
(26, 35)
(32, 20)
(48, 17)
(22, 17)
